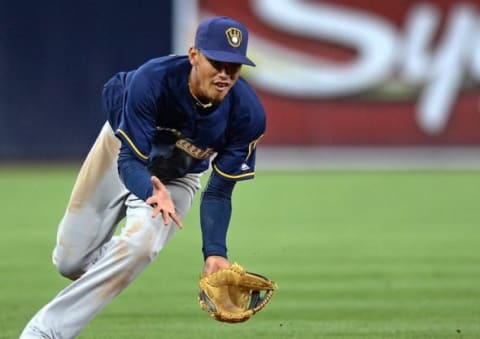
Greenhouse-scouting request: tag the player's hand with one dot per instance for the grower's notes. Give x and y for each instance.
(162, 203)
(214, 263)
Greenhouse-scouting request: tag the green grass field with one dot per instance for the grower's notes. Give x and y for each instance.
(355, 254)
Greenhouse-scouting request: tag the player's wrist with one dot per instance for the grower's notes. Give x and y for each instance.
(214, 251)
(214, 263)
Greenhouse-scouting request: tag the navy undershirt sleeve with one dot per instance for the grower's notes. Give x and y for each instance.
(134, 174)
(215, 212)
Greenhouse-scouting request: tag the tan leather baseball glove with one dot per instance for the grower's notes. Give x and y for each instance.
(234, 295)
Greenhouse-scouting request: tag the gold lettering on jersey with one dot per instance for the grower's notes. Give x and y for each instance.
(234, 36)
(194, 151)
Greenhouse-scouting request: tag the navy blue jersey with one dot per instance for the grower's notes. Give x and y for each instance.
(155, 97)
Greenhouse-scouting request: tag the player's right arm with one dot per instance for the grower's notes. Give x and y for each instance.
(136, 131)
(148, 188)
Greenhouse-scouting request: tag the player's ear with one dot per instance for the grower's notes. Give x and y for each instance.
(193, 54)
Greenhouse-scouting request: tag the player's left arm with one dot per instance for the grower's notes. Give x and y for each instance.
(248, 123)
(215, 213)
(216, 202)
(233, 163)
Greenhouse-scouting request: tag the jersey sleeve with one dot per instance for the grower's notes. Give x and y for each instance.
(237, 160)
(138, 123)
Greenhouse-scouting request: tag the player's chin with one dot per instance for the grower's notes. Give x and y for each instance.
(218, 97)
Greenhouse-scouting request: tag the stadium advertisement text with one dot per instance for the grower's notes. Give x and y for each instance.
(350, 73)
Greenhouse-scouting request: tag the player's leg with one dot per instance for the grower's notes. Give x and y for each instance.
(96, 206)
(124, 257)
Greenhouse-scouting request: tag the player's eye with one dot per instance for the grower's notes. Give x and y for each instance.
(215, 64)
(230, 68)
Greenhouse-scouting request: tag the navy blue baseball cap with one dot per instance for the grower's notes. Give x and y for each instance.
(223, 39)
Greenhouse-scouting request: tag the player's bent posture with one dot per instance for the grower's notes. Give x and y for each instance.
(165, 121)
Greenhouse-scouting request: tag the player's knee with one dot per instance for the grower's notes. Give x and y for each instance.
(68, 266)
(69, 269)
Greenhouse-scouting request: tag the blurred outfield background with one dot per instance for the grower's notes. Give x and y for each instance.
(365, 203)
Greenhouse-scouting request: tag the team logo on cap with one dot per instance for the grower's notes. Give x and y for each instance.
(234, 36)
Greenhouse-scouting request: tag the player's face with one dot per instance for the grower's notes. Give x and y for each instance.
(211, 80)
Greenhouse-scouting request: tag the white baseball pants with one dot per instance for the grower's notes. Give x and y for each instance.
(87, 251)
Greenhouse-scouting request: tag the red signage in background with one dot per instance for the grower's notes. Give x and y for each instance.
(352, 72)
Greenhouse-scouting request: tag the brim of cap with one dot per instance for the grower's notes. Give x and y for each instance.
(228, 57)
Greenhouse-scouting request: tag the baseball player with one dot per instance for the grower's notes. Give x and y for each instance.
(167, 122)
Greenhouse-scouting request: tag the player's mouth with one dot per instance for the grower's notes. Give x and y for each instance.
(221, 86)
